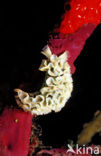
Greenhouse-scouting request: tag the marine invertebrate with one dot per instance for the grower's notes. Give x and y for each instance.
(56, 89)
(73, 20)
(15, 130)
(81, 12)
(90, 129)
(72, 43)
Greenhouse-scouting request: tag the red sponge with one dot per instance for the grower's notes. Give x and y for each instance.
(73, 43)
(81, 12)
(15, 130)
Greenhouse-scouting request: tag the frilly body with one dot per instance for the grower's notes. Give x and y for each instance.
(56, 89)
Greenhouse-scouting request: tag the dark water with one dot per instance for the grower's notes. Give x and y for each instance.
(23, 33)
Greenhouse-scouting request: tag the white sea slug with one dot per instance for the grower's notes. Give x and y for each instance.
(55, 91)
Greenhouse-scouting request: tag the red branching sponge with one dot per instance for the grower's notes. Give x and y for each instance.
(15, 131)
(73, 43)
(81, 12)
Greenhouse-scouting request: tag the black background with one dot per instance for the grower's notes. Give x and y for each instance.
(23, 33)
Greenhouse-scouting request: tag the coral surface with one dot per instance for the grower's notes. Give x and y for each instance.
(81, 12)
(73, 43)
(15, 131)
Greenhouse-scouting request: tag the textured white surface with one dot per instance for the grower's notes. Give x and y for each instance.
(56, 89)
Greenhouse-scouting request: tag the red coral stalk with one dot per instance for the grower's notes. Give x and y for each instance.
(15, 130)
(81, 12)
(73, 43)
